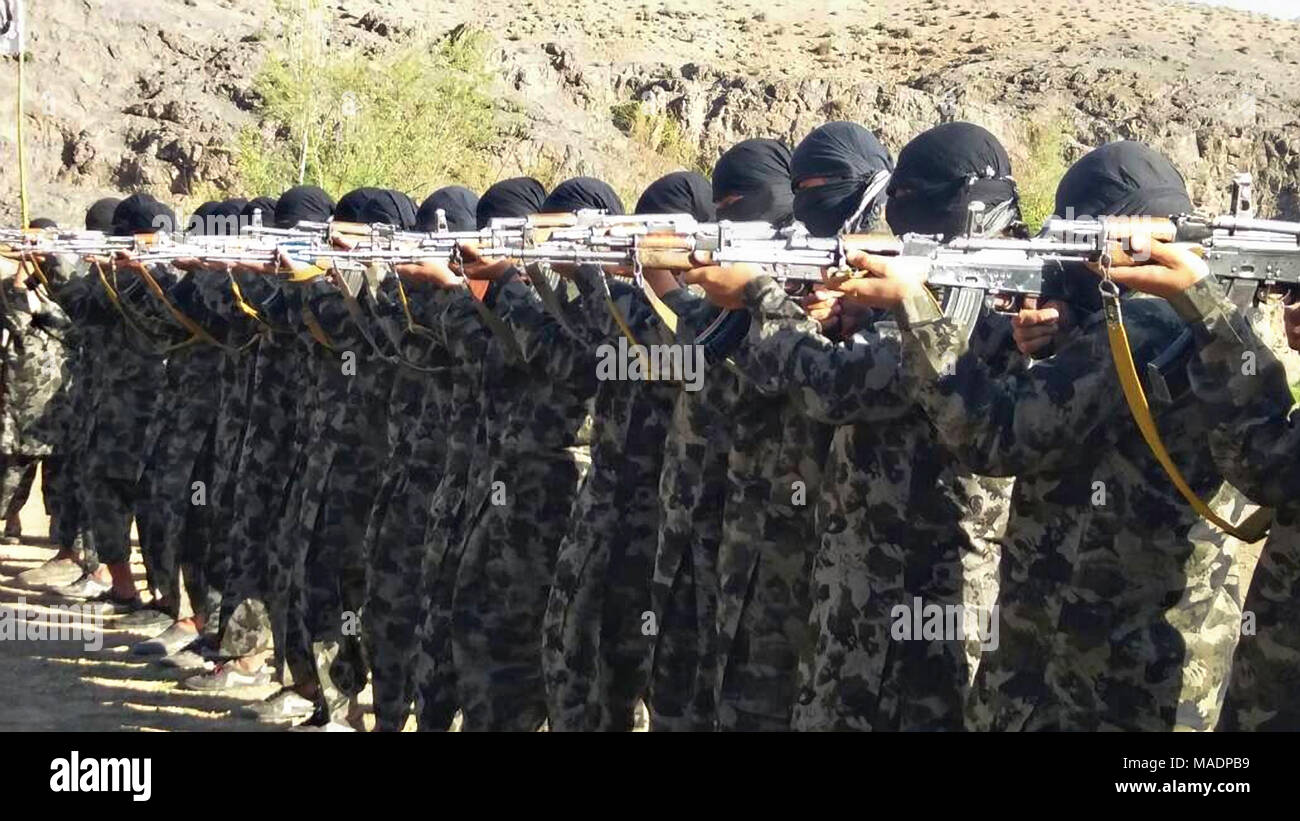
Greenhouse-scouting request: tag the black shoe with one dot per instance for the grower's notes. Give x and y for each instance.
(110, 605)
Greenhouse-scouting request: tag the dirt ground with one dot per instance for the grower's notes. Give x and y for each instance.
(61, 685)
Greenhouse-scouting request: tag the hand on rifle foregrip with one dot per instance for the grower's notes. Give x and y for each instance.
(475, 266)
(126, 261)
(430, 270)
(824, 308)
(1154, 267)
(282, 262)
(724, 285)
(192, 264)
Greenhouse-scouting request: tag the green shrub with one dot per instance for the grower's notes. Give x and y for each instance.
(415, 118)
(660, 147)
(1041, 170)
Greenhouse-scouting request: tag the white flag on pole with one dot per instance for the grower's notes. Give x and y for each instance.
(11, 26)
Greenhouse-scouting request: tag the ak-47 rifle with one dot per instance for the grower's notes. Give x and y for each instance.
(1249, 255)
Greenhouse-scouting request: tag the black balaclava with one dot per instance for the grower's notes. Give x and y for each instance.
(759, 171)
(198, 221)
(457, 204)
(582, 193)
(941, 172)
(42, 222)
(515, 197)
(227, 217)
(1122, 179)
(1119, 179)
(857, 167)
(681, 192)
(99, 217)
(302, 203)
(389, 207)
(142, 214)
(352, 204)
(266, 205)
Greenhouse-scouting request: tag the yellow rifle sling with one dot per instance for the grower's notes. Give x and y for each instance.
(1253, 527)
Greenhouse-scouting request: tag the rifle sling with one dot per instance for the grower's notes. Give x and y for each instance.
(115, 299)
(355, 311)
(197, 332)
(314, 327)
(550, 300)
(1250, 529)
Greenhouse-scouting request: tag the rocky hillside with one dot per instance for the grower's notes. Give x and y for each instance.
(150, 95)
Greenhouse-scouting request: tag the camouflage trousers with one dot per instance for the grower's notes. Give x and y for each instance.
(328, 588)
(172, 511)
(17, 474)
(436, 699)
(1159, 660)
(870, 670)
(259, 541)
(596, 642)
(763, 630)
(502, 584)
(228, 438)
(684, 600)
(106, 502)
(59, 490)
(1265, 675)
(259, 494)
(394, 555)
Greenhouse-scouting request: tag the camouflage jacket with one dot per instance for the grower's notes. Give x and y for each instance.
(899, 519)
(1257, 447)
(692, 490)
(189, 394)
(537, 385)
(33, 372)
(124, 337)
(1111, 616)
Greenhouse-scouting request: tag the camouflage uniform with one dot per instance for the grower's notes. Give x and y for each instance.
(462, 343)
(521, 495)
(1258, 449)
(595, 648)
(33, 373)
(207, 565)
(765, 558)
(1111, 616)
(899, 520)
(345, 449)
(171, 510)
(261, 479)
(68, 405)
(394, 542)
(122, 341)
(692, 489)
